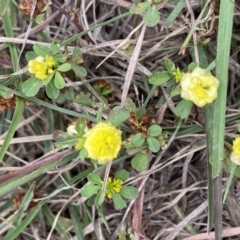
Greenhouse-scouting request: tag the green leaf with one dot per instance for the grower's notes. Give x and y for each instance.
(60, 58)
(31, 87)
(52, 91)
(140, 112)
(39, 18)
(59, 81)
(129, 192)
(77, 55)
(130, 105)
(6, 94)
(64, 67)
(55, 48)
(40, 50)
(153, 144)
(64, 139)
(183, 108)
(118, 115)
(175, 92)
(118, 201)
(140, 161)
(139, 8)
(48, 78)
(122, 175)
(83, 154)
(170, 66)
(138, 140)
(152, 16)
(155, 130)
(192, 65)
(89, 190)
(83, 99)
(79, 71)
(106, 91)
(81, 126)
(30, 55)
(159, 78)
(94, 178)
(98, 200)
(91, 201)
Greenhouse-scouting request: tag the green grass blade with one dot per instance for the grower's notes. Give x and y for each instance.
(175, 13)
(19, 102)
(23, 207)
(222, 63)
(26, 221)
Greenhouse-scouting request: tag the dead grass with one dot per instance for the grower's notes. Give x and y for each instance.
(173, 203)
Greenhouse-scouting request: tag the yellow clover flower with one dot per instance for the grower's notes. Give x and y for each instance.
(199, 86)
(41, 66)
(103, 142)
(113, 186)
(235, 155)
(177, 75)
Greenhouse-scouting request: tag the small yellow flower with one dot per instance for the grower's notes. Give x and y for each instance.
(236, 145)
(113, 186)
(103, 142)
(235, 155)
(177, 75)
(41, 66)
(199, 86)
(80, 143)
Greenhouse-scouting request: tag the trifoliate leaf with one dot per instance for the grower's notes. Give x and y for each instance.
(91, 201)
(153, 144)
(170, 66)
(140, 112)
(138, 140)
(60, 58)
(152, 16)
(129, 192)
(64, 67)
(6, 94)
(83, 99)
(83, 154)
(49, 77)
(89, 190)
(81, 126)
(55, 48)
(118, 115)
(122, 175)
(130, 105)
(183, 108)
(155, 130)
(94, 178)
(79, 71)
(30, 55)
(52, 91)
(118, 201)
(159, 78)
(31, 87)
(139, 8)
(175, 92)
(40, 50)
(76, 55)
(59, 81)
(140, 161)
(64, 139)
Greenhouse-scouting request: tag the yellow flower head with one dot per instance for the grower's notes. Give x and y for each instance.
(41, 66)
(177, 75)
(103, 142)
(235, 155)
(113, 186)
(199, 86)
